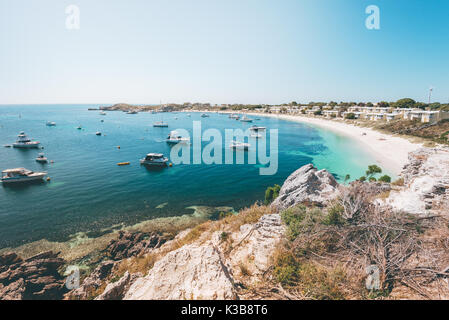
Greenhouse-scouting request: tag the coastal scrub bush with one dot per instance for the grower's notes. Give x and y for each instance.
(372, 179)
(385, 178)
(300, 219)
(271, 193)
(362, 179)
(286, 267)
(334, 215)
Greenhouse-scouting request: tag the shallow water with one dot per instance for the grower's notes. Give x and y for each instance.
(89, 192)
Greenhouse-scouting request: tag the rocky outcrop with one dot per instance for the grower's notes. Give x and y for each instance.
(254, 244)
(190, 272)
(307, 185)
(116, 290)
(93, 282)
(33, 278)
(426, 183)
(208, 270)
(133, 244)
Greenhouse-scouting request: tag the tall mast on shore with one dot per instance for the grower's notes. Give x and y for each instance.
(430, 93)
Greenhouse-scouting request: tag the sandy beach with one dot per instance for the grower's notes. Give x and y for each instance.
(388, 151)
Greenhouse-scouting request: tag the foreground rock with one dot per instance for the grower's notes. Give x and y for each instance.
(426, 183)
(307, 185)
(132, 244)
(254, 245)
(33, 278)
(190, 272)
(93, 282)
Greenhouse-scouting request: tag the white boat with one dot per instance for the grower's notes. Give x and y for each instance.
(204, 115)
(246, 119)
(233, 116)
(154, 159)
(24, 142)
(21, 175)
(160, 124)
(132, 112)
(51, 123)
(257, 129)
(98, 133)
(102, 113)
(41, 158)
(256, 135)
(79, 127)
(175, 138)
(239, 145)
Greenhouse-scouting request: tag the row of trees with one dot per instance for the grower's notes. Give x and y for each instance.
(401, 103)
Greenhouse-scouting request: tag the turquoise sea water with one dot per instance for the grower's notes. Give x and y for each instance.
(89, 192)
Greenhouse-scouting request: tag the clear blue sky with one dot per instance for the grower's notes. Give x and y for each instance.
(222, 51)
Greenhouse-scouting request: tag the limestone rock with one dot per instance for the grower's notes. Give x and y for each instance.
(307, 185)
(426, 183)
(256, 244)
(132, 244)
(34, 278)
(93, 281)
(190, 272)
(116, 290)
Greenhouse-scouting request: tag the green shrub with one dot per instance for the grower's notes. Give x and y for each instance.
(385, 178)
(272, 193)
(363, 179)
(286, 268)
(299, 219)
(372, 179)
(334, 215)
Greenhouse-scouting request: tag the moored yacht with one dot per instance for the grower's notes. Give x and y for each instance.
(21, 175)
(160, 124)
(236, 145)
(24, 142)
(174, 138)
(41, 158)
(257, 129)
(204, 115)
(102, 113)
(246, 119)
(154, 159)
(51, 123)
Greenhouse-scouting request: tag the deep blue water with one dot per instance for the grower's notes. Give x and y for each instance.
(88, 191)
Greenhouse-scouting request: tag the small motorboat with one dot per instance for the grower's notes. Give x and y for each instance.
(204, 115)
(246, 119)
(98, 133)
(160, 124)
(239, 145)
(24, 142)
(154, 159)
(102, 113)
(21, 175)
(79, 127)
(51, 124)
(175, 138)
(41, 158)
(257, 129)
(132, 112)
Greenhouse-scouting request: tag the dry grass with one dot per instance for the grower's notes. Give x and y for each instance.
(399, 182)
